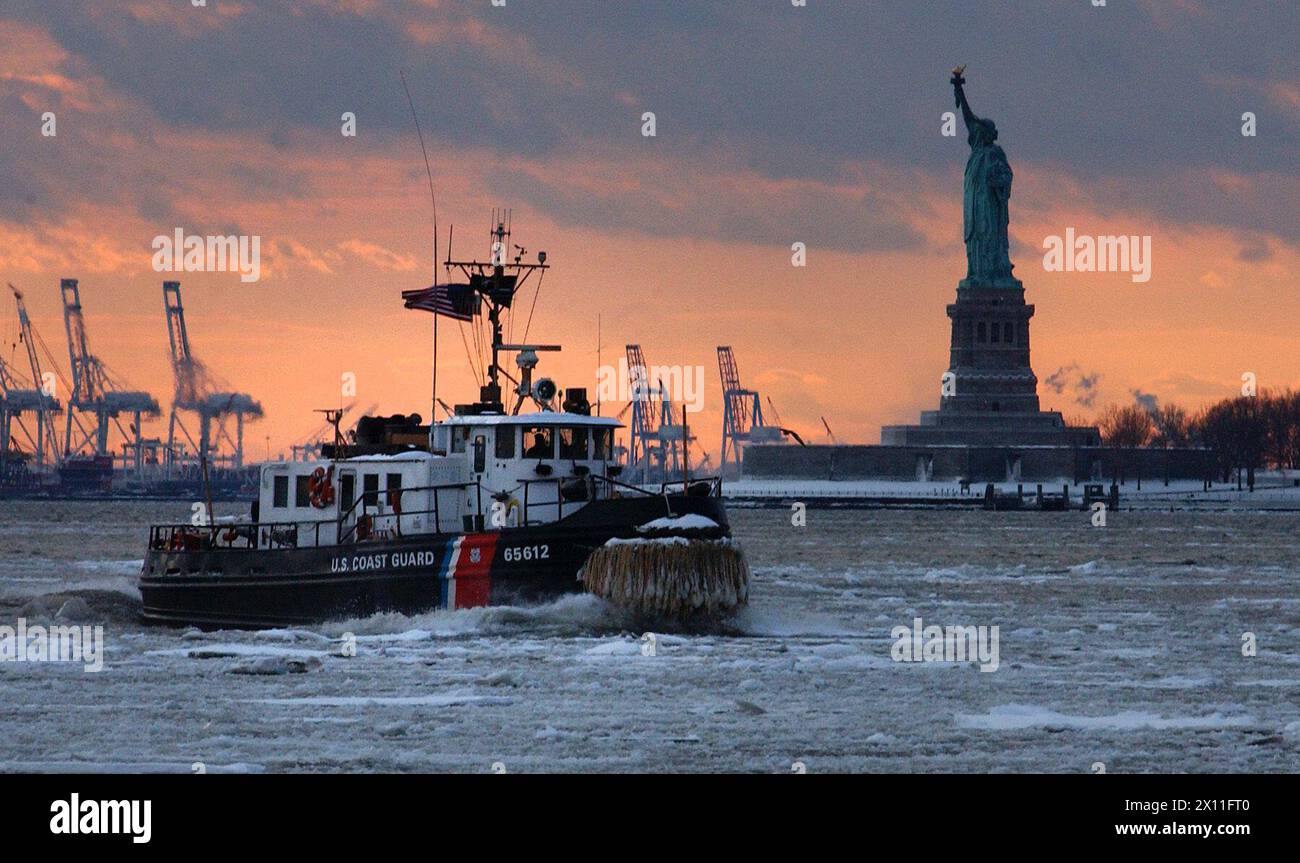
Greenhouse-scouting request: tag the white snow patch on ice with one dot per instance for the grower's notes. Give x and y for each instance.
(230, 650)
(448, 700)
(1010, 717)
(783, 623)
(1181, 681)
(111, 567)
(291, 635)
(615, 647)
(125, 767)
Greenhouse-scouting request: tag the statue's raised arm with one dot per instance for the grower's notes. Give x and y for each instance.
(957, 81)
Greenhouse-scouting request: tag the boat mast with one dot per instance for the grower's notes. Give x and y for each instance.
(495, 282)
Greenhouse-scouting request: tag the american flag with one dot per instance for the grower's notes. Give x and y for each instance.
(452, 301)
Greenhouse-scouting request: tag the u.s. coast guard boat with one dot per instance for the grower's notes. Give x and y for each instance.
(487, 506)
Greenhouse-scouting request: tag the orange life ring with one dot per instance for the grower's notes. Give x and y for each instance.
(184, 540)
(320, 491)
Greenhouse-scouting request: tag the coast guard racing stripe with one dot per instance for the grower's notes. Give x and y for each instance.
(466, 570)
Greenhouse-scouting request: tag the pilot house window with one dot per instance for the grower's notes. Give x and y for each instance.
(280, 494)
(459, 437)
(539, 442)
(573, 443)
(301, 494)
(505, 444)
(600, 443)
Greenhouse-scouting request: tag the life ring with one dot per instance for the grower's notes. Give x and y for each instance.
(184, 540)
(320, 491)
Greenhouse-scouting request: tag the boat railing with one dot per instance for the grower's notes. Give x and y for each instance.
(608, 485)
(349, 526)
(356, 524)
(359, 528)
(712, 483)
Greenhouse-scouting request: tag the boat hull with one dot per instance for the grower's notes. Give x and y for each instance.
(243, 587)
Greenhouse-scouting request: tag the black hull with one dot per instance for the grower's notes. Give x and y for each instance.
(242, 587)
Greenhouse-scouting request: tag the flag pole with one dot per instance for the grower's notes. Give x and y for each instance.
(433, 413)
(433, 408)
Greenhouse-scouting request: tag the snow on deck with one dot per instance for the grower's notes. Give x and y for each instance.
(690, 521)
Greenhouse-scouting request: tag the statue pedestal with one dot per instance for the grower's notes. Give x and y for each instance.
(1002, 284)
(994, 396)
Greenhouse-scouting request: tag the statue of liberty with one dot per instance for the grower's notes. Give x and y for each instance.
(985, 193)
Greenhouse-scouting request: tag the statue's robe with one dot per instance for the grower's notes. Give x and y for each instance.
(986, 192)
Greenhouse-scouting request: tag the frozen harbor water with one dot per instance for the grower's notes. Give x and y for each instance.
(1119, 645)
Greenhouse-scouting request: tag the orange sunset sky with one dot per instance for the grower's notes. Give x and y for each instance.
(775, 124)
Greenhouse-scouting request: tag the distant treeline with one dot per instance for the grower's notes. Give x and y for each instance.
(1242, 433)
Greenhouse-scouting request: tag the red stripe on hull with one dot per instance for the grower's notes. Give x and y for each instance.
(473, 573)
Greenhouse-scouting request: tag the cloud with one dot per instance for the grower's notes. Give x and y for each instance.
(380, 258)
(1147, 400)
(284, 249)
(803, 95)
(1255, 249)
(782, 376)
(1072, 380)
(657, 196)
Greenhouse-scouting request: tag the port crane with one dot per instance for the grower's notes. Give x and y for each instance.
(657, 438)
(40, 399)
(96, 400)
(198, 392)
(17, 399)
(742, 415)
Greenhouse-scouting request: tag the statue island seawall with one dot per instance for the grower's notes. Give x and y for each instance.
(989, 426)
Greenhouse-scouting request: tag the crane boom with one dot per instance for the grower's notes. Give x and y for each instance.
(742, 412)
(46, 434)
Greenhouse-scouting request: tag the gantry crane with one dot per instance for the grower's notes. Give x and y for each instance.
(656, 436)
(17, 399)
(645, 413)
(197, 392)
(96, 400)
(40, 400)
(742, 415)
